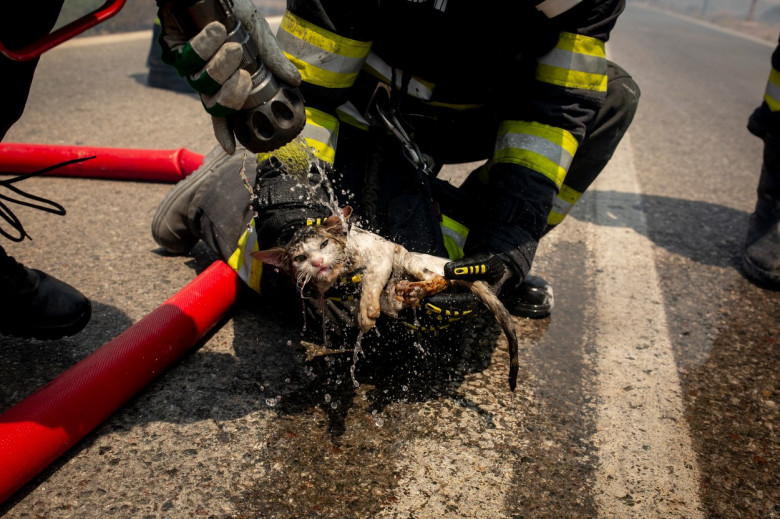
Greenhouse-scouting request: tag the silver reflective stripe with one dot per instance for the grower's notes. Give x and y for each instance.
(536, 144)
(553, 8)
(316, 56)
(347, 112)
(561, 206)
(459, 239)
(773, 92)
(416, 88)
(574, 61)
(318, 133)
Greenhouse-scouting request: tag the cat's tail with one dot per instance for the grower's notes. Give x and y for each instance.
(490, 299)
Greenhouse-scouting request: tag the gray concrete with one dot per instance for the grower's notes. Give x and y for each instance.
(651, 392)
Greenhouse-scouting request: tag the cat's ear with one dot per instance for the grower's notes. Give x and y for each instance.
(335, 223)
(273, 256)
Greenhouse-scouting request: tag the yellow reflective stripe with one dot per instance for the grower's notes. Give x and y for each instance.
(772, 95)
(417, 88)
(321, 133)
(552, 8)
(577, 61)
(322, 57)
(247, 268)
(563, 204)
(537, 146)
(471, 269)
(454, 234)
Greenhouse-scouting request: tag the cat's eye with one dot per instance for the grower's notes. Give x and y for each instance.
(299, 258)
(324, 244)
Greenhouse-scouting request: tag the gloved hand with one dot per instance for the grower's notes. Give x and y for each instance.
(445, 308)
(495, 269)
(436, 312)
(212, 66)
(285, 201)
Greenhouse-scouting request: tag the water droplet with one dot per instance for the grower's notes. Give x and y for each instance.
(270, 402)
(327, 398)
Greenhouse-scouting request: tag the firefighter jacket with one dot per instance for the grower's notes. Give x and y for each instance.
(540, 67)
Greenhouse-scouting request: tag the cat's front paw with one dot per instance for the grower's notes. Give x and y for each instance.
(365, 322)
(367, 316)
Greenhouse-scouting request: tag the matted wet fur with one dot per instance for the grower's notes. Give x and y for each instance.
(393, 278)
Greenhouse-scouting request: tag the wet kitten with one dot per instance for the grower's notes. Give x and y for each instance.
(393, 278)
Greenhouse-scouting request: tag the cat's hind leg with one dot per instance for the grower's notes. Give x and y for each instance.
(422, 267)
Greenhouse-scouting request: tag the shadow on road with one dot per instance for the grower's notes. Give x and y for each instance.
(707, 233)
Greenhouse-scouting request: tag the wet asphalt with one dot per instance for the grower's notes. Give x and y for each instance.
(652, 390)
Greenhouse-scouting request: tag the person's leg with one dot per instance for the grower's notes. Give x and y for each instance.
(534, 297)
(32, 303)
(212, 204)
(21, 23)
(601, 141)
(761, 254)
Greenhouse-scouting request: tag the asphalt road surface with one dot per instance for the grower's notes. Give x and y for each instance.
(651, 392)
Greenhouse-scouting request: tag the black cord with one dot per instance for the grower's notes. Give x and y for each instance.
(44, 204)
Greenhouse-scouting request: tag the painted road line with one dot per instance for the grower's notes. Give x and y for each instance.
(122, 37)
(647, 466)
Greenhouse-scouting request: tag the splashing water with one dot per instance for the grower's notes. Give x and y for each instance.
(355, 354)
(302, 163)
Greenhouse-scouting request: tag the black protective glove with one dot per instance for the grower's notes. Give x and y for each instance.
(285, 202)
(436, 312)
(491, 268)
(496, 269)
(447, 307)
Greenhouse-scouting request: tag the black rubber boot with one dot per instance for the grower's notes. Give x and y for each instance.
(36, 305)
(532, 299)
(761, 255)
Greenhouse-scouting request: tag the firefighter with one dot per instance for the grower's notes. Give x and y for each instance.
(761, 254)
(396, 89)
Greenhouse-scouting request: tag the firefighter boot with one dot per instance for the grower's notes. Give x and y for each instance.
(532, 299)
(36, 305)
(761, 255)
(174, 226)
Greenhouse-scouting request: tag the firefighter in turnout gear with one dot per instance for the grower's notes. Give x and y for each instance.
(396, 89)
(761, 255)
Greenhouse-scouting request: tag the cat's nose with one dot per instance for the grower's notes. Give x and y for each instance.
(317, 262)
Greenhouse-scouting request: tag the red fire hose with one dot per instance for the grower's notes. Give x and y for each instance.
(109, 163)
(38, 430)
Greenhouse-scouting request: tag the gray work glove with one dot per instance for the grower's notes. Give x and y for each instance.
(212, 66)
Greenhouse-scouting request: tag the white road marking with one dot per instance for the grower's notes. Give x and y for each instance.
(647, 466)
(705, 23)
(121, 37)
